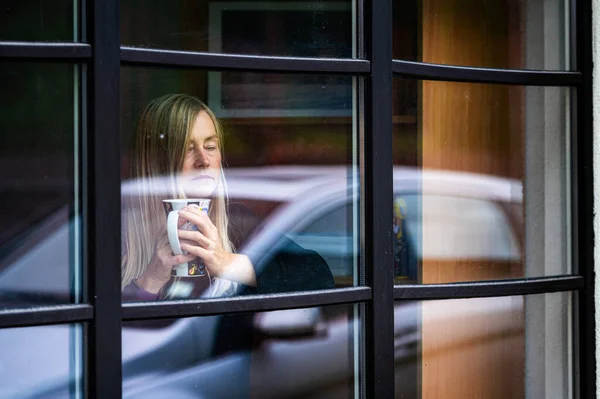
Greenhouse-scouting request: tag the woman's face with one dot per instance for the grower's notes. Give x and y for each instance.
(202, 162)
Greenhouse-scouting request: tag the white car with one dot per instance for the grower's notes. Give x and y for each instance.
(306, 353)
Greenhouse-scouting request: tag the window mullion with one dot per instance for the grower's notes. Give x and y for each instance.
(582, 157)
(378, 201)
(102, 209)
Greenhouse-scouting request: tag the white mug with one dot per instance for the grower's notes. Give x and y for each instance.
(194, 268)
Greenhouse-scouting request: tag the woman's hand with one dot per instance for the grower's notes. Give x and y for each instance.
(207, 245)
(158, 271)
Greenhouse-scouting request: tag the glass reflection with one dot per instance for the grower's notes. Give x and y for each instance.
(316, 28)
(301, 353)
(505, 347)
(279, 216)
(41, 362)
(39, 240)
(494, 33)
(481, 181)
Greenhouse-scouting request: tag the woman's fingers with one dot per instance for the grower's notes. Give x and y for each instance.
(179, 259)
(196, 237)
(163, 247)
(180, 222)
(165, 253)
(200, 219)
(196, 251)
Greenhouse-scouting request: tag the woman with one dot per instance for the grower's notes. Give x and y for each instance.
(177, 153)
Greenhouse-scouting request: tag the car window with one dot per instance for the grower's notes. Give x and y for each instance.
(425, 227)
(333, 223)
(330, 235)
(446, 227)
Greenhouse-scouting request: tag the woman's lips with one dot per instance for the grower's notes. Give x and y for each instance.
(203, 177)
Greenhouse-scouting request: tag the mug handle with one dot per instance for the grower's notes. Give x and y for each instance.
(172, 220)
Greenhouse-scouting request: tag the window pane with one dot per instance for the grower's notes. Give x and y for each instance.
(41, 362)
(40, 236)
(287, 153)
(301, 353)
(481, 181)
(27, 20)
(493, 33)
(314, 28)
(506, 347)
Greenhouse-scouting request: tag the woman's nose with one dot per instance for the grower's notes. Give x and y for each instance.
(202, 160)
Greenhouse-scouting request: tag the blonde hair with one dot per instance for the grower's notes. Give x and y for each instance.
(157, 154)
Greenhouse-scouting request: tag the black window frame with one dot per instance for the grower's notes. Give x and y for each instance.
(101, 56)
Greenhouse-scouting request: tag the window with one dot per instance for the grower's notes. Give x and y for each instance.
(371, 199)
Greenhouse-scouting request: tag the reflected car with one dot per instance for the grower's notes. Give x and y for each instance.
(305, 353)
